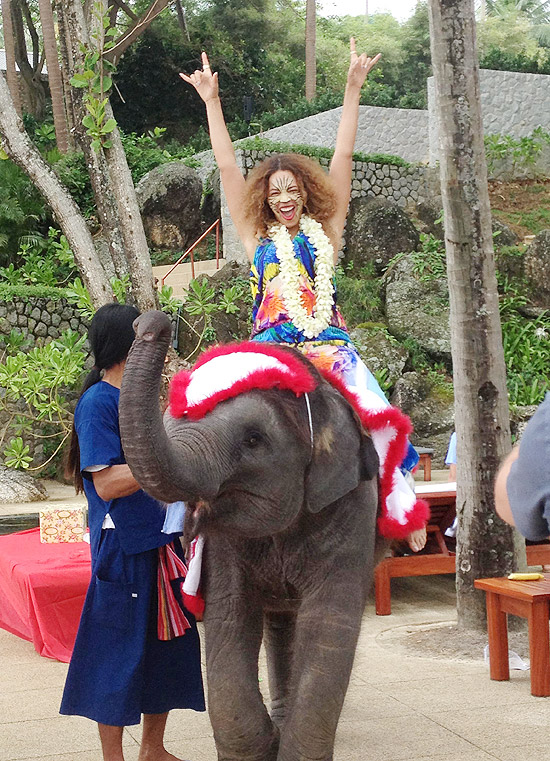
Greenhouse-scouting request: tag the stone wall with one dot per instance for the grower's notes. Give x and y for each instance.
(43, 318)
(512, 103)
(402, 132)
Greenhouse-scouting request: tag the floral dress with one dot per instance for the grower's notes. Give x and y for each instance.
(332, 350)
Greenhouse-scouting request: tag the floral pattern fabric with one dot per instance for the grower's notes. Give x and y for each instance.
(332, 349)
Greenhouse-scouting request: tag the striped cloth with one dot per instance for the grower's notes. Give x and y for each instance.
(171, 621)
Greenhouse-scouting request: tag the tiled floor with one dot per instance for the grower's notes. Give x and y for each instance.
(400, 706)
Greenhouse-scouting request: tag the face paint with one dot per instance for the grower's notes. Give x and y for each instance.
(284, 198)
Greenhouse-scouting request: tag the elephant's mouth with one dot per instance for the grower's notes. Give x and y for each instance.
(197, 515)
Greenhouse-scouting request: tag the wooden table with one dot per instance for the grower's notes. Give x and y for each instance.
(530, 600)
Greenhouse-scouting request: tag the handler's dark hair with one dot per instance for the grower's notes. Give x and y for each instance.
(110, 335)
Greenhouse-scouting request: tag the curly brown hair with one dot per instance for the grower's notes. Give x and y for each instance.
(314, 183)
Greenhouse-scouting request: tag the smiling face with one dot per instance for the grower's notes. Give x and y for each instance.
(285, 199)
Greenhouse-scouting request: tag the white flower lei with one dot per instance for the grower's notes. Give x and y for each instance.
(309, 325)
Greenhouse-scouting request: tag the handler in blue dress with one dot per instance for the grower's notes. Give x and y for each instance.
(120, 668)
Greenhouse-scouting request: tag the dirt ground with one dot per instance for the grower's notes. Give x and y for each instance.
(447, 642)
(523, 204)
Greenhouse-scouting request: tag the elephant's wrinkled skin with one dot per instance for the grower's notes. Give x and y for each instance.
(289, 551)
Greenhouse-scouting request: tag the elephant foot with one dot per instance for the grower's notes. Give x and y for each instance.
(261, 752)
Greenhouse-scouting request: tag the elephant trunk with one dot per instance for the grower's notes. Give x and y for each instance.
(166, 468)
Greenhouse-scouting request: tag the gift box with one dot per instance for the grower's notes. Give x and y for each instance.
(62, 524)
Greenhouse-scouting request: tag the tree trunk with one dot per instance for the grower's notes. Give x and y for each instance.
(485, 545)
(21, 150)
(67, 67)
(54, 74)
(181, 20)
(135, 30)
(114, 190)
(311, 64)
(9, 46)
(30, 77)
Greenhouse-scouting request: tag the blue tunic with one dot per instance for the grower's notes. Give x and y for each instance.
(119, 668)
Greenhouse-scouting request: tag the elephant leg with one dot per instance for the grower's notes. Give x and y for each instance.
(279, 631)
(327, 629)
(242, 728)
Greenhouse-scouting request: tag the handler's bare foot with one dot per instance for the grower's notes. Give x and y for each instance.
(161, 755)
(417, 539)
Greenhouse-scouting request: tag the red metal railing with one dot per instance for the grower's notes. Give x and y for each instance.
(216, 226)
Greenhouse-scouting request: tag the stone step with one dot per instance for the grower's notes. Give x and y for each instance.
(180, 278)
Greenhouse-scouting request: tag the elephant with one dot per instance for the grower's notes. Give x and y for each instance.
(288, 510)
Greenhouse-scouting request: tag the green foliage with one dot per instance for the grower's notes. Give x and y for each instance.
(46, 261)
(359, 295)
(168, 302)
(203, 301)
(96, 78)
(429, 263)
(22, 211)
(78, 294)
(34, 404)
(527, 355)
(521, 152)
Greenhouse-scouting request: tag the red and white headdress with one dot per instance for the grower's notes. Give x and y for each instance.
(227, 371)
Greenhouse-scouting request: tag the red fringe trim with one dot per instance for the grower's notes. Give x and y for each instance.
(417, 518)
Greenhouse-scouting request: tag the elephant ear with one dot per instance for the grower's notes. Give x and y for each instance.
(343, 453)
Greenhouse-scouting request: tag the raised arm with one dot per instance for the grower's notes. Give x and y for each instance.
(205, 83)
(340, 166)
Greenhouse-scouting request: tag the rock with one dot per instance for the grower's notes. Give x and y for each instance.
(377, 230)
(506, 236)
(510, 261)
(211, 202)
(537, 269)
(169, 198)
(18, 486)
(427, 216)
(419, 309)
(429, 403)
(380, 351)
(519, 417)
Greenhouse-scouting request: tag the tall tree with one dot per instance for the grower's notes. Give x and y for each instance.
(54, 75)
(20, 149)
(33, 86)
(9, 46)
(485, 545)
(311, 63)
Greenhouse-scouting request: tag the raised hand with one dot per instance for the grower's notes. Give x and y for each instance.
(359, 65)
(204, 82)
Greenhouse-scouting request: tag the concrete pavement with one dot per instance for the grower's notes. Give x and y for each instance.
(400, 706)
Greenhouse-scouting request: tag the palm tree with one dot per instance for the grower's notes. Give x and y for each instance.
(537, 11)
(54, 74)
(311, 69)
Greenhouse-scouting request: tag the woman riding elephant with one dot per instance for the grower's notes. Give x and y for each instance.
(290, 217)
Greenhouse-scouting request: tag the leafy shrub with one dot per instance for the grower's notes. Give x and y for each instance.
(34, 405)
(46, 261)
(22, 211)
(359, 295)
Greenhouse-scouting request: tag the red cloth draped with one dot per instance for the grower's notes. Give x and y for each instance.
(42, 591)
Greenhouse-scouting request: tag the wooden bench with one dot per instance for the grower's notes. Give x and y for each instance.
(437, 558)
(425, 461)
(530, 600)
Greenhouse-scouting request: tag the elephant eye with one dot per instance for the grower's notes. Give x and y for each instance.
(252, 439)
